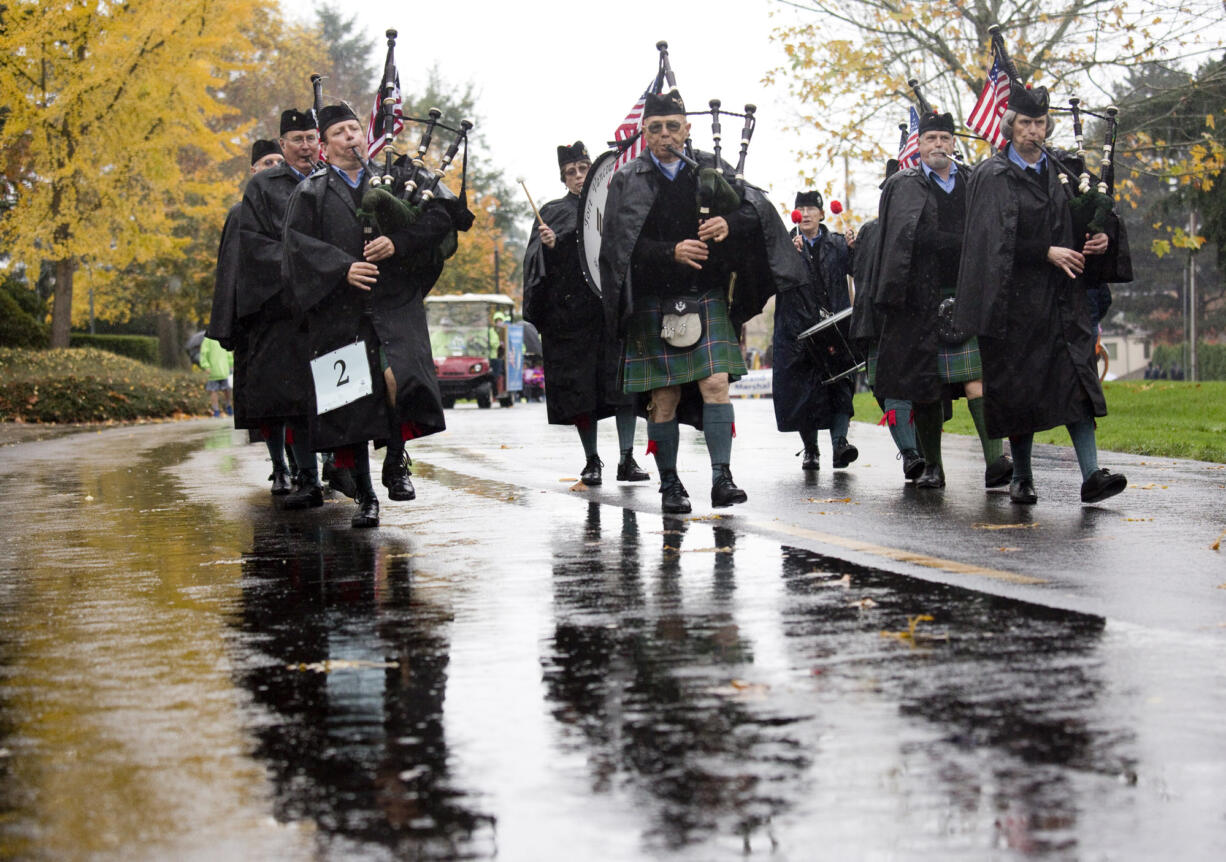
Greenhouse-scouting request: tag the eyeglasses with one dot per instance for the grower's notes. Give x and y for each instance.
(671, 125)
(576, 170)
(299, 140)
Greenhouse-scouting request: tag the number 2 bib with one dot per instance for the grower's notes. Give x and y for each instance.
(342, 376)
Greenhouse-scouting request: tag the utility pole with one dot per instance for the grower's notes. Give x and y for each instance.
(497, 287)
(1192, 352)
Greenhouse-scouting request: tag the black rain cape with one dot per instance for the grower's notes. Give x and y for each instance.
(223, 326)
(322, 238)
(581, 356)
(1033, 322)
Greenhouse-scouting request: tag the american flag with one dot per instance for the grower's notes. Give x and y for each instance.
(993, 101)
(630, 126)
(374, 130)
(908, 153)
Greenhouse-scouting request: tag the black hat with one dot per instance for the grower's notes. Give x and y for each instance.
(293, 120)
(663, 104)
(1027, 101)
(333, 114)
(262, 148)
(808, 199)
(576, 152)
(934, 122)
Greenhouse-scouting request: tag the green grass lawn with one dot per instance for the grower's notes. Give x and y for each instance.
(89, 385)
(1147, 417)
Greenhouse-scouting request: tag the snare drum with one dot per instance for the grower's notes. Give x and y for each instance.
(828, 344)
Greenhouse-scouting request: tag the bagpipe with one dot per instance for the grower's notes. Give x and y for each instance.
(395, 198)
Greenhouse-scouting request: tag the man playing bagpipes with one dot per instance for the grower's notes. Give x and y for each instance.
(581, 356)
(921, 216)
(361, 291)
(666, 276)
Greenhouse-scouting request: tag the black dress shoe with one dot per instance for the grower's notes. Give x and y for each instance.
(998, 473)
(591, 471)
(912, 464)
(281, 484)
(1021, 492)
(367, 514)
(1101, 485)
(673, 498)
(396, 479)
(812, 459)
(844, 453)
(304, 497)
(628, 469)
(339, 479)
(932, 477)
(724, 492)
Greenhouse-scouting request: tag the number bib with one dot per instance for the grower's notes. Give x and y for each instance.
(341, 377)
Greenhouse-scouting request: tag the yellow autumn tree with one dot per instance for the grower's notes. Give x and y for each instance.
(848, 61)
(113, 127)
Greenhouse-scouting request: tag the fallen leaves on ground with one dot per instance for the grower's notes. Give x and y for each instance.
(910, 635)
(341, 664)
(1217, 545)
(578, 486)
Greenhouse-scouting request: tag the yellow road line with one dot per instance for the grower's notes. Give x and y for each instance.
(900, 555)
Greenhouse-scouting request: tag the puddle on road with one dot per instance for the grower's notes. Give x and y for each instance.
(584, 682)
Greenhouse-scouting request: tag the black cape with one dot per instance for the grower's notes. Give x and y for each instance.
(581, 357)
(322, 238)
(223, 323)
(865, 327)
(1033, 322)
(802, 402)
(917, 260)
(276, 381)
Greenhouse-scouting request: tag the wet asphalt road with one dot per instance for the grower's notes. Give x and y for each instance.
(512, 669)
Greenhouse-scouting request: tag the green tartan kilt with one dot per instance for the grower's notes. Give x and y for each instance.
(960, 363)
(651, 364)
(870, 367)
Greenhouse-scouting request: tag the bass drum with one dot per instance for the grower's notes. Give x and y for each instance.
(591, 215)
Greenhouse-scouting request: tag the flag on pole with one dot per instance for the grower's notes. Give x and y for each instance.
(630, 126)
(908, 153)
(374, 129)
(984, 119)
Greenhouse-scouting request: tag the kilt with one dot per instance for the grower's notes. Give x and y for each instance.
(960, 363)
(870, 367)
(651, 364)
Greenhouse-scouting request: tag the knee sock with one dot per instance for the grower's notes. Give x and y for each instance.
(902, 429)
(1085, 445)
(276, 449)
(626, 421)
(928, 421)
(394, 453)
(1021, 446)
(587, 436)
(361, 469)
(717, 422)
(663, 439)
(992, 449)
(308, 467)
(838, 427)
(808, 438)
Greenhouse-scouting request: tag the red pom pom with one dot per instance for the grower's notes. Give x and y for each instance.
(836, 207)
(796, 217)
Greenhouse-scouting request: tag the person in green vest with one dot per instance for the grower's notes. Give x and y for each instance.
(217, 362)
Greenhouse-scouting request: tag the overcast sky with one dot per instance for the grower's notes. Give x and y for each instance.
(548, 73)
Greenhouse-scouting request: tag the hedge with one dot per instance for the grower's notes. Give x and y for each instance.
(17, 328)
(1210, 359)
(143, 348)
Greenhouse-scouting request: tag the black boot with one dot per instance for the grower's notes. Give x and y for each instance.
(724, 492)
(281, 484)
(1021, 492)
(305, 496)
(673, 498)
(1101, 485)
(933, 477)
(812, 458)
(844, 453)
(628, 469)
(591, 471)
(998, 473)
(396, 474)
(913, 465)
(367, 514)
(339, 478)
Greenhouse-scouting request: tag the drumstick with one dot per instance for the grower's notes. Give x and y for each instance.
(531, 203)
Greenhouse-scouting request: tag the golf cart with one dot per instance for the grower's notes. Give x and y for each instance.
(478, 351)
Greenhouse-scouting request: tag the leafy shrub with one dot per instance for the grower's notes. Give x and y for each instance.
(140, 347)
(17, 328)
(1210, 359)
(89, 385)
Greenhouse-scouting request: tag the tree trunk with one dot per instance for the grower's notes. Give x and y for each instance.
(61, 310)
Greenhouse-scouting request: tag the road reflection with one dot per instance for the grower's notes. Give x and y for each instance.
(346, 662)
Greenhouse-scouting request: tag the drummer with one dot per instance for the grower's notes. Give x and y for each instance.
(802, 402)
(921, 216)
